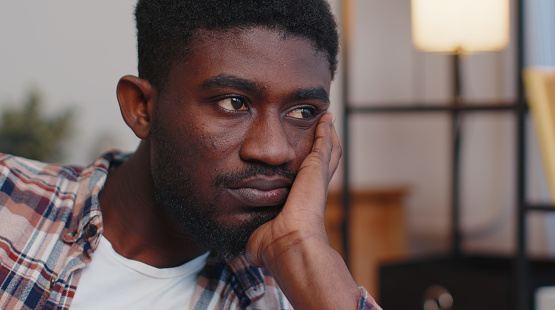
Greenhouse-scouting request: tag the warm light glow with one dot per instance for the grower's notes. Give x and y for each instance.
(469, 25)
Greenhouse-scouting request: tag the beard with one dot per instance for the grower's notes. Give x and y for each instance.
(198, 220)
(176, 191)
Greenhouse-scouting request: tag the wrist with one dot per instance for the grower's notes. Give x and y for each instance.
(306, 264)
(294, 246)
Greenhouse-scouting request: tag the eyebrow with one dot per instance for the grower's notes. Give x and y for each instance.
(311, 93)
(225, 80)
(231, 81)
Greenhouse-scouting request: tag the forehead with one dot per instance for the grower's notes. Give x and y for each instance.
(267, 57)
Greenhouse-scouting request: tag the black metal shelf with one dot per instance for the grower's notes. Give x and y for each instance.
(540, 207)
(422, 108)
(520, 297)
(522, 275)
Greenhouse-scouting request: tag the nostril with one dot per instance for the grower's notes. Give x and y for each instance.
(267, 145)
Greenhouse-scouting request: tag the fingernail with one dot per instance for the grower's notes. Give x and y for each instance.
(333, 118)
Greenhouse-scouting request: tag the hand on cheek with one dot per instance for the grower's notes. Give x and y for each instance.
(302, 219)
(294, 246)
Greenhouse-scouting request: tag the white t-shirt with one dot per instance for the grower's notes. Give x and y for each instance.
(112, 281)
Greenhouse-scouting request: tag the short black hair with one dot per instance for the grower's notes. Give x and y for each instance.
(165, 28)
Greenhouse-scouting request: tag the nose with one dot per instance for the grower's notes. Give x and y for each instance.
(267, 142)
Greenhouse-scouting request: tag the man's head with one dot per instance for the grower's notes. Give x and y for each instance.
(167, 28)
(229, 97)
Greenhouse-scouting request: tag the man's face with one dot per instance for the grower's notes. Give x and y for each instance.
(231, 129)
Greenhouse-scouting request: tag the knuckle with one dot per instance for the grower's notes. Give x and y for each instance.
(338, 150)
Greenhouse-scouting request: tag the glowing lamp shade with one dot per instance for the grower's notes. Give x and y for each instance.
(455, 25)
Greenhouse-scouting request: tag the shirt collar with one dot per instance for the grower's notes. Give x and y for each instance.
(87, 218)
(250, 277)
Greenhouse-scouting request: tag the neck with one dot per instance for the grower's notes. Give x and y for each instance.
(135, 224)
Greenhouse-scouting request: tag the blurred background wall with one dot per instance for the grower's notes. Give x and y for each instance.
(75, 52)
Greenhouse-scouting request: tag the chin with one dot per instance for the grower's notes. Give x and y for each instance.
(224, 235)
(230, 241)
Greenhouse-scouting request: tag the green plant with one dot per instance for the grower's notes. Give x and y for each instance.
(29, 133)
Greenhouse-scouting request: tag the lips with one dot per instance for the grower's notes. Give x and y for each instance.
(261, 191)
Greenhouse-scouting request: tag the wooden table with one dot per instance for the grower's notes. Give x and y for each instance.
(377, 231)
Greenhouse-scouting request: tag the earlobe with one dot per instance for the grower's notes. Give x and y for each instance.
(136, 99)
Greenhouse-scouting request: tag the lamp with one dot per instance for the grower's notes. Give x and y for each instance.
(456, 27)
(460, 25)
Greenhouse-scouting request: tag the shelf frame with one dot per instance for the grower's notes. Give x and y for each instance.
(427, 108)
(540, 207)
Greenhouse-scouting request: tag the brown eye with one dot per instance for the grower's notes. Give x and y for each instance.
(233, 104)
(301, 113)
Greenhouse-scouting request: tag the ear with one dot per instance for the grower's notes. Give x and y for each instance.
(136, 98)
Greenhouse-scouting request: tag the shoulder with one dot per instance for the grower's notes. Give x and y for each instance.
(31, 190)
(38, 177)
(18, 169)
(27, 185)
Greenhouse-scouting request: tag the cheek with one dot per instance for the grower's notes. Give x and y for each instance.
(212, 144)
(302, 143)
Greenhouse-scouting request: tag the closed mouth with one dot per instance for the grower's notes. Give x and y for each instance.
(261, 191)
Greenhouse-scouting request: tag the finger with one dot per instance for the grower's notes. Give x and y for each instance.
(322, 148)
(310, 186)
(336, 152)
(323, 142)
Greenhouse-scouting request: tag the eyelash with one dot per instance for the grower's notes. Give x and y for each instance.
(311, 110)
(232, 109)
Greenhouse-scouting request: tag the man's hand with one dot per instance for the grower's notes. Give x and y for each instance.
(294, 246)
(303, 214)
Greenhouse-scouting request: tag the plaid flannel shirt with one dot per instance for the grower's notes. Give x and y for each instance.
(50, 224)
